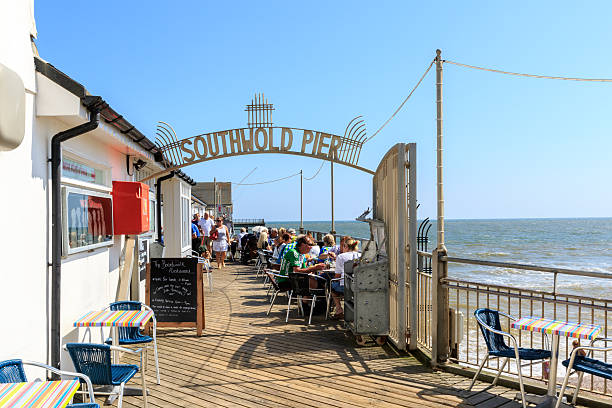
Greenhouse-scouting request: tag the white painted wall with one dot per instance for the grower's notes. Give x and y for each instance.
(171, 191)
(23, 207)
(89, 279)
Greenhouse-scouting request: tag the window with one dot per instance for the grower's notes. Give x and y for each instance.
(87, 220)
(185, 222)
(77, 170)
(152, 215)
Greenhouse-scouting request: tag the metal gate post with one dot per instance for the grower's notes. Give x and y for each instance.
(440, 319)
(412, 244)
(401, 246)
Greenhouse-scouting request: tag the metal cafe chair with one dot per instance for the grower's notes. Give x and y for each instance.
(94, 360)
(300, 288)
(329, 295)
(132, 335)
(494, 337)
(261, 261)
(272, 276)
(584, 364)
(11, 371)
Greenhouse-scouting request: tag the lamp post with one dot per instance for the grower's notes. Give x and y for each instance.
(301, 202)
(440, 192)
(333, 227)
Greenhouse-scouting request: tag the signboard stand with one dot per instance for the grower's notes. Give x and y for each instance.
(170, 287)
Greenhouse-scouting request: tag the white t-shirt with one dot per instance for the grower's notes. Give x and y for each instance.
(314, 252)
(206, 225)
(341, 259)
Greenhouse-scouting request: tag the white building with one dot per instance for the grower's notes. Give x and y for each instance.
(37, 102)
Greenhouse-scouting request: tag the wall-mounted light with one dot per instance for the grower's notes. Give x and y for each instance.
(134, 163)
(139, 164)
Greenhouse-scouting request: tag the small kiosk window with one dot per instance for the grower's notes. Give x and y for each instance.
(83, 172)
(185, 222)
(87, 219)
(152, 215)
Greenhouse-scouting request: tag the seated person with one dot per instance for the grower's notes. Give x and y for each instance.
(276, 256)
(313, 254)
(294, 261)
(262, 242)
(328, 243)
(337, 249)
(349, 254)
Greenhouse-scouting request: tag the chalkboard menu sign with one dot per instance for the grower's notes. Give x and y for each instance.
(143, 253)
(175, 293)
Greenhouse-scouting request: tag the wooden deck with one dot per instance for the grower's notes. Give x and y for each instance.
(248, 359)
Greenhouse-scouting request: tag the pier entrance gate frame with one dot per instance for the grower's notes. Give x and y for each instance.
(394, 202)
(393, 187)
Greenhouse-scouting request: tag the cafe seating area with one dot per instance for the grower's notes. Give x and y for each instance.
(252, 355)
(249, 358)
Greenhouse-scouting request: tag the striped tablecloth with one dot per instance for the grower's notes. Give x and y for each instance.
(40, 394)
(558, 327)
(118, 318)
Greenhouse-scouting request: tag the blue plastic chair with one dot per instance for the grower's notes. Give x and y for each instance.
(585, 364)
(11, 371)
(494, 337)
(129, 336)
(94, 360)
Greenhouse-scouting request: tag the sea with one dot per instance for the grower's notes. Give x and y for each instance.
(571, 243)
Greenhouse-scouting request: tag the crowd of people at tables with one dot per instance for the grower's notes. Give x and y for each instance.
(291, 253)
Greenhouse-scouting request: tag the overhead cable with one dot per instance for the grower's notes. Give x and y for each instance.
(317, 173)
(402, 104)
(528, 75)
(269, 181)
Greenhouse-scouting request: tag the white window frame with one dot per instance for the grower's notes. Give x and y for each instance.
(152, 215)
(107, 184)
(185, 218)
(65, 239)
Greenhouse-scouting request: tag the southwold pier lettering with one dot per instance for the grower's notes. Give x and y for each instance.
(267, 140)
(255, 140)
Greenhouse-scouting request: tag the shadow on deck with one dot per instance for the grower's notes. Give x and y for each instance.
(248, 359)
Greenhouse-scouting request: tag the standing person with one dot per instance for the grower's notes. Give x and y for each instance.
(349, 254)
(196, 237)
(220, 245)
(242, 233)
(206, 224)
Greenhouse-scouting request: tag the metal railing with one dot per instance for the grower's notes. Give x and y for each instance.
(467, 296)
(249, 221)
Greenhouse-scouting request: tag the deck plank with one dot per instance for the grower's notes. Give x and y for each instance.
(249, 359)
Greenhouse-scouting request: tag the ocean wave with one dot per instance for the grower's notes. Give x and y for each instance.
(494, 253)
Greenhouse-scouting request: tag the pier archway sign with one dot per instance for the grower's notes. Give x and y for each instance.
(261, 137)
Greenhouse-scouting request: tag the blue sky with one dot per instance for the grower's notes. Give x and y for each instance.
(514, 147)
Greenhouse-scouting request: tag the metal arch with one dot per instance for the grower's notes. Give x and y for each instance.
(169, 169)
(172, 141)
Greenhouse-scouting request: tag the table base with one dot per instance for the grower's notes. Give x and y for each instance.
(542, 401)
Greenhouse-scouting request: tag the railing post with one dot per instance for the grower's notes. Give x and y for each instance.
(412, 245)
(440, 319)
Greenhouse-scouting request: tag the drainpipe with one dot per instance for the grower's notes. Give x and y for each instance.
(158, 202)
(94, 105)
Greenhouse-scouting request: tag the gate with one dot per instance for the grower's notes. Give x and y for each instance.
(394, 203)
